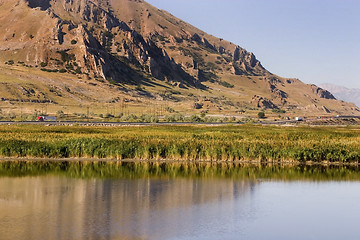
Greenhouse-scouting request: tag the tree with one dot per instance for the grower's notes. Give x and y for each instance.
(261, 115)
(195, 118)
(60, 114)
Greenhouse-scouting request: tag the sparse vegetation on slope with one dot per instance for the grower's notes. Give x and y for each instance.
(121, 49)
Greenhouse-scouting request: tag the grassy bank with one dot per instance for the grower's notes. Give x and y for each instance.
(190, 143)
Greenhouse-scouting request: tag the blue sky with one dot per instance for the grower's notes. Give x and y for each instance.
(317, 41)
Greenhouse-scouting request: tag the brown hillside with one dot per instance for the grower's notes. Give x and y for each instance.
(83, 52)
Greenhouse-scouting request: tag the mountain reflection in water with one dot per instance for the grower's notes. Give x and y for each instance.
(119, 200)
(61, 208)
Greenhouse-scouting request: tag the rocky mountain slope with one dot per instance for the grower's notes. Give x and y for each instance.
(343, 93)
(109, 51)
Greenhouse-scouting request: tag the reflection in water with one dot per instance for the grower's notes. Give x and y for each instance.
(96, 200)
(131, 170)
(53, 207)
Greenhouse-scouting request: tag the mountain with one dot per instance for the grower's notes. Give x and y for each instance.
(343, 93)
(69, 54)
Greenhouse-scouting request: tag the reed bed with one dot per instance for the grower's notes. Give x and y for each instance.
(185, 143)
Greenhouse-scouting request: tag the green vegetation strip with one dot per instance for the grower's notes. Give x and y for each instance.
(134, 170)
(186, 143)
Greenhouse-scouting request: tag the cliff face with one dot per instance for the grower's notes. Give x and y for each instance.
(131, 42)
(83, 36)
(92, 36)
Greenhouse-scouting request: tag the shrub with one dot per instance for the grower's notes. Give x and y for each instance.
(196, 118)
(10, 62)
(198, 105)
(48, 70)
(170, 118)
(108, 115)
(275, 110)
(148, 118)
(226, 84)
(161, 38)
(60, 114)
(69, 66)
(261, 115)
(169, 109)
(78, 70)
(66, 57)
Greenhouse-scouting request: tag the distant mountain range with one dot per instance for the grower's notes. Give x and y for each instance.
(343, 93)
(109, 52)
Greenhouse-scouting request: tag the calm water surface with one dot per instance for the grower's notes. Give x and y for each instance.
(56, 207)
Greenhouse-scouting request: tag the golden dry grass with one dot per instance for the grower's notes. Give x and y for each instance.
(187, 143)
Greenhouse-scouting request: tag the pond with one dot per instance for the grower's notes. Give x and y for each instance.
(63, 205)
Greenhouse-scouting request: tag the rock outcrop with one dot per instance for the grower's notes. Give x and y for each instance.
(42, 4)
(261, 102)
(322, 93)
(94, 39)
(129, 44)
(245, 63)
